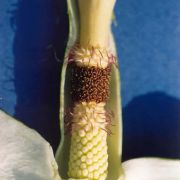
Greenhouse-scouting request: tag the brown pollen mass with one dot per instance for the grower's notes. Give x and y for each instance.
(90, 83)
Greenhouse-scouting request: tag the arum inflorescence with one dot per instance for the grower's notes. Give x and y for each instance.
(90, 90)
(88, 152)
(90, 79)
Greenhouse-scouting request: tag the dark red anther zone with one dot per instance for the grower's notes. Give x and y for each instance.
(90, 83)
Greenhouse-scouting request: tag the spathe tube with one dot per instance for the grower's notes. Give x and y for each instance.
(114, 141)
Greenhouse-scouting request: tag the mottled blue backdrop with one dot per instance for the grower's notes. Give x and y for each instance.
(147, 34)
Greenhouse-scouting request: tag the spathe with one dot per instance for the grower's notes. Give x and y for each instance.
(24, 154)
(152, 169)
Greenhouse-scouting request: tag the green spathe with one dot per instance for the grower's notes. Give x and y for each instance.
(114, 141)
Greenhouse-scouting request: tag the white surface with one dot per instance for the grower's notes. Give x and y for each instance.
(152, 169)
(24, 154)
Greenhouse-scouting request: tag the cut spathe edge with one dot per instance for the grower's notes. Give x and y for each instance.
(114, 141)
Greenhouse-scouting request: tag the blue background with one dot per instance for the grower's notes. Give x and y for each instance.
(147, 34)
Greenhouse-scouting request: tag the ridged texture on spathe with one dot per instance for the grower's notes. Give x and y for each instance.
(88, 151)
(90, 83)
